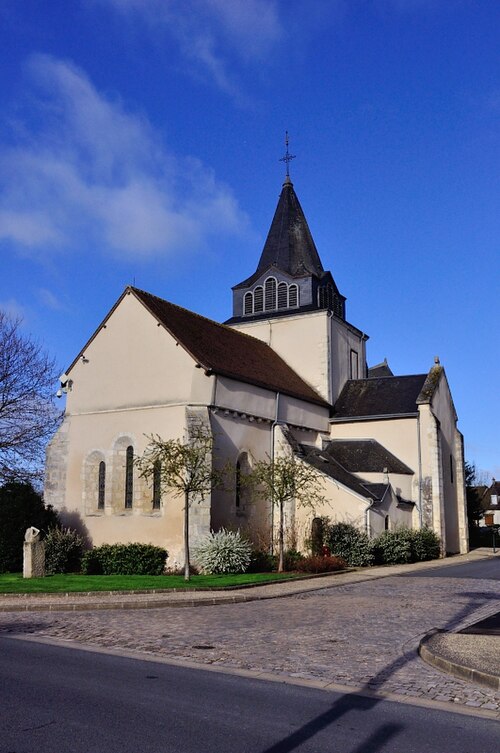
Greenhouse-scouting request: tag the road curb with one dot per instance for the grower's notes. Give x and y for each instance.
(462, 671)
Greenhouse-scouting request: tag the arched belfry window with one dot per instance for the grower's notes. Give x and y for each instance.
(157, 485)
(248, 304)
(258, 299)
(282, 295)
(101, 485)
(293, 296)
(129, 477)
(270, 293)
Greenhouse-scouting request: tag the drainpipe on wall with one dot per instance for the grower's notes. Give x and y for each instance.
(367, 521)
(275, 423)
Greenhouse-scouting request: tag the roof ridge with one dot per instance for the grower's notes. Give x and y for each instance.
(201, 316)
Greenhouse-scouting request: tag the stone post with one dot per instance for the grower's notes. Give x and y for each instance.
(34, 554)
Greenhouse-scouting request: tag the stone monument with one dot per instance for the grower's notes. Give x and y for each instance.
(34, 554)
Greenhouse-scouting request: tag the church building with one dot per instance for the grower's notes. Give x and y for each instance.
(287, 373)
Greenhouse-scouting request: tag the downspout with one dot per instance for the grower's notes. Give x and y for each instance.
(419, 452)
(273, 427)
(367, 522)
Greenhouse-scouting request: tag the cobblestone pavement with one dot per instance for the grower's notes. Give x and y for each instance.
(359, 634)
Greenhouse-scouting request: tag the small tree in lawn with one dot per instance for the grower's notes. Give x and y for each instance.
(184, 468)
(284, 480)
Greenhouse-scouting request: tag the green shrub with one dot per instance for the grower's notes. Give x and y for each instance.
(425, 545)
(405, 545)
(291, 558)
(348, 542)
(124, 559)
(319, 564)
(20, 507)
(393, 547)
(63, 551)
(261, 562)
(222, 552)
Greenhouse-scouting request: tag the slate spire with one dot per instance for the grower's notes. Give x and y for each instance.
(290, 278)
(289, 245)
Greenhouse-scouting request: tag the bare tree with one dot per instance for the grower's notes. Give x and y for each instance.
(284, 480)
(28, 417)
(184, 468)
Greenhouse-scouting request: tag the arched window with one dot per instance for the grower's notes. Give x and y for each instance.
(282, 295)
(237, 484)
(129, 478)
(270, 293)
(101, 485)
(258, 299)
(293, 296)
(157, 485)
(387, 523)
(242, 469)
(248, 304)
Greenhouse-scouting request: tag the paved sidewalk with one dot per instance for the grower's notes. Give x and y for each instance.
(358, 629)
(191, 598)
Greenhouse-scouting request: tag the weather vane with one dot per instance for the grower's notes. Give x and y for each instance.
(288, 157)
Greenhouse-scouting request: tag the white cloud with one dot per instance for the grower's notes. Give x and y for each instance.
(212, 34)
(49, 300)
(94, 171)
(14, 309)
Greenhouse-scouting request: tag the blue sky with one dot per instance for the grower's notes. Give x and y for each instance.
(140, 142)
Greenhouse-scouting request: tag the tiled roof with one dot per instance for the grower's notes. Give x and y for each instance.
(380, 396)
(365, 456)
(226, 351)
(380, 370)
(329, 466)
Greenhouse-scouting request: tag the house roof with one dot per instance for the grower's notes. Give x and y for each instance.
(222, 350)
(380, 396)
(380, 370)
(325, 463)
(365, 456)
(289, 245)
(486, 498)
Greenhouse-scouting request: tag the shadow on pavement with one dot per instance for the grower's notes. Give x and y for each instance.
(356, 702)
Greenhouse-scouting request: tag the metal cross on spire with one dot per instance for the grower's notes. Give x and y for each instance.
(288, 157)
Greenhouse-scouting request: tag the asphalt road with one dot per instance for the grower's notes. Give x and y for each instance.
(488, 569)
(61, 700)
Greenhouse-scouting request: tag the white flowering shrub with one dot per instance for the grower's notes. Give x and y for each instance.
(223, 552)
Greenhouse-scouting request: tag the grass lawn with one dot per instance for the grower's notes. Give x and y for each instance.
(14, 583)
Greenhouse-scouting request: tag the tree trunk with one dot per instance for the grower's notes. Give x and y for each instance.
(281, 561)
(186, 537)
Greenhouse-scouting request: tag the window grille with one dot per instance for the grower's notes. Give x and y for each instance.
(293, 296)
(270, 293)
(258, 299)
(129, 477)
(101, 485)
(248, 304)
(282, 295)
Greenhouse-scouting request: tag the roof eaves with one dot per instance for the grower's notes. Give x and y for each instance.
(381, 417)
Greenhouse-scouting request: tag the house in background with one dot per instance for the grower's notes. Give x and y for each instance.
(287, 373)
(490, 503)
